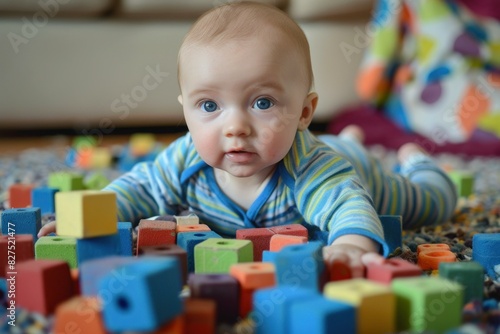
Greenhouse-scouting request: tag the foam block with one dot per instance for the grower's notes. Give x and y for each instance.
(190, 219)
(86, 213)
(168, 250)
(79, 315)
(463, 180)
(391, 269)
(21, 221)
(153, 283)
(301, 265)
(216, 255)
(92, 271)
(320, 315)
(427, 304)
(126, 238)
(96, 181)
(192, 228)
(278, 241)
(430, 260)
(188, 240)
(252, 276)
(292, 229)
(57, 248)
(469, 274)
(200, 315)
(485, 251)
(338, 271)
(14, 250)
(176, 326)
(41, 285)
(97, 247)
(66, 181)
(271, 307)
(20, 195)
(221, 288)
(393, 231)
(44, 198)
(432, 247)
(375, 303)
(260, 238)
(5, 306)
(155, 233)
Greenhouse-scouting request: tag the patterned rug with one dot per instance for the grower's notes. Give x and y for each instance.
(477, 213)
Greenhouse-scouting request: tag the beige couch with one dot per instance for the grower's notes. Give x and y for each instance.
(103, 64)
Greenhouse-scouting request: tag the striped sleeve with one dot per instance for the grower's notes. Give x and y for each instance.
(153, 188)
(329, 194)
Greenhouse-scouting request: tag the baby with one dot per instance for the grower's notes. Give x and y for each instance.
(249, 160)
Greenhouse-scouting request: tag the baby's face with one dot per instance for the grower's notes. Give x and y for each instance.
(242, 102)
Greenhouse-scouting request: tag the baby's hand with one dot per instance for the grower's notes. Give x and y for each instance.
(354, 251)
(47, 229)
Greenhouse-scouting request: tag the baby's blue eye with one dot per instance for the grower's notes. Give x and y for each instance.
(209, 106)
(263, 104)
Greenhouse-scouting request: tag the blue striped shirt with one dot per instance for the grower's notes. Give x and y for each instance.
(312, 185)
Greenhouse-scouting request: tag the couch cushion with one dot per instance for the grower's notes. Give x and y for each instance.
(318, 9)
(177, 8)
(51, 8)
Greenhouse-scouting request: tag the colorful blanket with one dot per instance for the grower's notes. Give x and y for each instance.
(433, 67)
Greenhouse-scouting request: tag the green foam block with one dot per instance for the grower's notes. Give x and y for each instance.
(216, 255)
(57, 248)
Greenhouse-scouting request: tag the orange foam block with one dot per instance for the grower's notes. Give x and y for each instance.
(192, 228)
(200, 315)
(79, 315)
(430, 260)
(252, 276)
(432, 247)
(278, 241)
(155, 233)
(20, 195)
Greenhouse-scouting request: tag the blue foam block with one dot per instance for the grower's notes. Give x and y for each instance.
(271, 307)
(97, 247)
(485, 248)
(320, 315)
(126, 238)
(149, 299)
(91, 271)
(393, 231)
(300, 265)
(44, 198)
(187, 240)
(22, 221)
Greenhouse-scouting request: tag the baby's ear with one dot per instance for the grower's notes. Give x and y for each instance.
(179, 98)
(308, 109)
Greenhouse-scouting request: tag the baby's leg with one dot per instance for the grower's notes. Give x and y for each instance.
(422, 193)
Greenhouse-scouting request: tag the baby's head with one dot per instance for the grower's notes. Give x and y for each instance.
(241, 20)
(245, 77)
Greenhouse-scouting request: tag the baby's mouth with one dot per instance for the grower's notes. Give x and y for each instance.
(239, 156)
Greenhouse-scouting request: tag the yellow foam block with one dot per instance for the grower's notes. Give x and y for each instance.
(86, 213)
(375, 303)
(141, 143)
